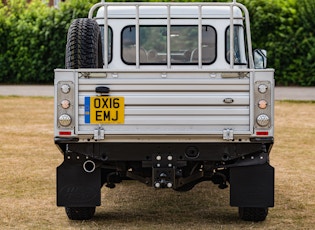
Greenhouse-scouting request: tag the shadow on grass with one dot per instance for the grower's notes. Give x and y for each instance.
(167, 217)
(205, 204)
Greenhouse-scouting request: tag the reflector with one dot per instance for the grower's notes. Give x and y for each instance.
(64, 133)
(262, 133)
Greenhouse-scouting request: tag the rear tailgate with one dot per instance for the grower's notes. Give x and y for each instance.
(179, 104)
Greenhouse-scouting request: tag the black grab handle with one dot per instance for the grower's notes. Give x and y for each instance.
(102, 89)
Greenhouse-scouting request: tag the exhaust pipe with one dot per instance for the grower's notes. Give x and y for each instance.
(89, 166)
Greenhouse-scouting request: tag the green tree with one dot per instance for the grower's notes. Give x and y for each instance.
(306, 43)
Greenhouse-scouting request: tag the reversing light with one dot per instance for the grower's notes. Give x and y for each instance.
(263, 120)
(65, 120)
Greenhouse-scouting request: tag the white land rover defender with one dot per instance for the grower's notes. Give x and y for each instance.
(169, 94)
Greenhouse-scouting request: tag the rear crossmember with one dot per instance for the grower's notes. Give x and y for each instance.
(169, 162)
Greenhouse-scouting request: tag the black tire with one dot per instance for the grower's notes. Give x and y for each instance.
(84, 213)
(252, 214)
(84, 47)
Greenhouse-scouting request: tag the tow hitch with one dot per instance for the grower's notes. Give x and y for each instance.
(163, 174)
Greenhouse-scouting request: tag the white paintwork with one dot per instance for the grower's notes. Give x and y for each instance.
(180, 103)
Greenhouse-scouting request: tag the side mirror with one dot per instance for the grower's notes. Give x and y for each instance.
(260, 59)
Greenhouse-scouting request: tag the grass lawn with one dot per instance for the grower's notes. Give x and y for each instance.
(28, 166)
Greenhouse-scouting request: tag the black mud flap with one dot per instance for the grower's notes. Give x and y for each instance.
(252, 186)
(77, 188)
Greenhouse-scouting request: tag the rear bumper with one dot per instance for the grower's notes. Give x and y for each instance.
(255, 151)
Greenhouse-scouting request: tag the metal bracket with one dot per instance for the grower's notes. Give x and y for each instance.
(99, 133)
(163, 174)
(228, 134)
(163, 177)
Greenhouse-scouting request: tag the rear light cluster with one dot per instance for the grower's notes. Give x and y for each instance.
(263, 120)
(65, 101)
(263, 107)
(65, 120)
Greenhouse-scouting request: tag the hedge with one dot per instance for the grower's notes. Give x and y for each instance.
(33, 37)
(285, 29)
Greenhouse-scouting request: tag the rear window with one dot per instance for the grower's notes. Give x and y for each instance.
(110, 42)
(239, 45)
(183, 45)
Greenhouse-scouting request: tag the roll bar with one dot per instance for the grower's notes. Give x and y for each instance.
(137, 5)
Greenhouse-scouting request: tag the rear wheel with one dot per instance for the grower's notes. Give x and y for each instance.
(252, 214)
(81, 213)
(84, 47)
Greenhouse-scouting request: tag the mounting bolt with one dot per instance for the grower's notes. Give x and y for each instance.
(158, 158)
(157, 185)
(169, 158)
(170, 165)
(169, 185)
(158, 165)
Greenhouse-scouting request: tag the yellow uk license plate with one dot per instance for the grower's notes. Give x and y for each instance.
(104, 110)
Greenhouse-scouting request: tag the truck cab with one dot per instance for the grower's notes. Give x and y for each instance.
(170, 95)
